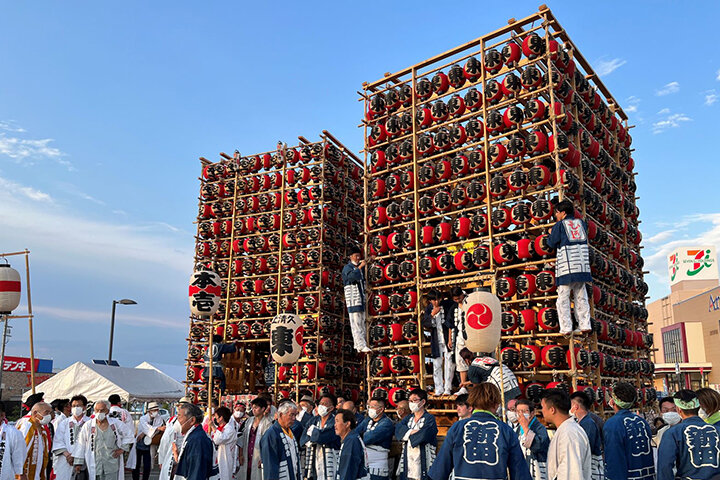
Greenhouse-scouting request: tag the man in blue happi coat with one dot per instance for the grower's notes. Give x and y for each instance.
(533, 437)
(482, 446)
(580, 410)
(352, 460)
(353, 277)
(692, 447)
(278, 446)
(627, 437)
(377, 431)
(572, 267)
(418, 434)
(321, 443)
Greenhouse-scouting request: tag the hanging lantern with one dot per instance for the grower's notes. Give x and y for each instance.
(204, 291)
(483, 321)
(530, 356)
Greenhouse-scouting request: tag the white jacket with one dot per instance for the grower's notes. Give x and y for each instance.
(123, 438)
(66, 440)
(13, 460)
(226, 442)
(165, 456)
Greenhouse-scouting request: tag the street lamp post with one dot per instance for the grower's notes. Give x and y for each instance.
(124, 301)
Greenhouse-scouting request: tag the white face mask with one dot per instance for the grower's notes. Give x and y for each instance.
(77, 411)
(702, 414)
(306, 410)
(671, 418)
(512, 416)
(237, 414)
(153, 414)
(414, 407)
(177, 426)
(372, 413)
(46, 419)
(323, 410)
(526, 415)
(100, 416)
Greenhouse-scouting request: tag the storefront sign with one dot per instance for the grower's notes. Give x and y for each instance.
(22, 364)
(692, 263)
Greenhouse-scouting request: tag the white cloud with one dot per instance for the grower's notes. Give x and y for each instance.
(710, 97)
(672, 87)
(606, 67)
(28, 151)
(660, 237)
(29, 192)
(671, 120)
(656, 260)
(94, 247)
(631, 109)
(633, 102)
(101, 317)
(717, 75)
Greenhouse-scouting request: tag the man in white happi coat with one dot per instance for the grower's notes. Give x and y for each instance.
(101, 445)
(149, 425)
(166, 461)
(224, 436)
(569, 455)
(35, 430)
(12, 450)
(66, 438)
(118, 412)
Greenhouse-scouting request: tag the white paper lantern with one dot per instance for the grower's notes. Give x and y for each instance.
(483, 321)
(204, 292)
(9, 289)
(286, 338)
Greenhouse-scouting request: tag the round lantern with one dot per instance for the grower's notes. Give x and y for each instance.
(530, 356)
(380, 366)
(204, 291)
(510, 357)
(548, 319)
(396, 395)
(505, 287)
(528, 319)
(483, 321)
(509, 321)
(286, 338)
(553, 356)
(534, 392)
(525, 284)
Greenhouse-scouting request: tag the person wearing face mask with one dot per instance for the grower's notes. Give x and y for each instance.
(224, 436)
(307, 405)
(117, 411)
(533, 437)
(462, 407)
(482, 446)
(418, 434)
(12, 457)
(353, 277)
(377, 431)
(627, 438)
(194, 457)
(61, 410)
(579, 406)
(709, 405)
(166, 462)
(66, 438)
(149, 425)
(352, 458)
(101, 444)
(34, 428)
(670, 417)
(690, 449)
(279, 448)
(321, 443)
(255, 427)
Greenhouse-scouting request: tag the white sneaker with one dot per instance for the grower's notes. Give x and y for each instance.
(462, 391)
(447, 392)
(365, 350)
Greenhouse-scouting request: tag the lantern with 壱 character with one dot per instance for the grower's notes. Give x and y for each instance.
(204, 292)
(286, 338)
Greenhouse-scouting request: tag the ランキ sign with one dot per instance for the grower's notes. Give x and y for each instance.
(692, 263)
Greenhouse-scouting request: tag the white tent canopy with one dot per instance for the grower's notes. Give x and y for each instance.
(176, 372)
(98, 382)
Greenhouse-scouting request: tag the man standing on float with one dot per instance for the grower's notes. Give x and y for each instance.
(353, 277)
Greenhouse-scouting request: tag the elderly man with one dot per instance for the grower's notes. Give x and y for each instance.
(194, 458)
(101, 445)
(352, 459)
(279, 448)
(170, 437)
(13, 459)
(34, 427)
(66, 438)
(149, 425)
(377, 432)
(350, 405)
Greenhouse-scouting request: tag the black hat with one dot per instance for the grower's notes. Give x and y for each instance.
(354, 249)
(33, 399)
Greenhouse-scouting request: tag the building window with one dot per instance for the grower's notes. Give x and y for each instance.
(672, 346)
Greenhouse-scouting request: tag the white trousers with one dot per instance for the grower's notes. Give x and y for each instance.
(582, 306)
(443, 371)
(357, 325)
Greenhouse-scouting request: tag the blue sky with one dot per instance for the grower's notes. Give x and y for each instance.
(105, 108)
